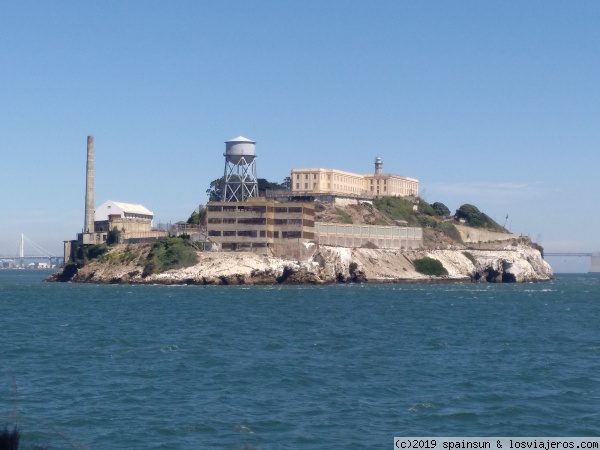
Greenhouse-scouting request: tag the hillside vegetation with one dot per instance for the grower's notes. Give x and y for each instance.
(436, 220)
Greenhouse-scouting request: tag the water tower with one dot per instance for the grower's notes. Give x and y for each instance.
(240, 170)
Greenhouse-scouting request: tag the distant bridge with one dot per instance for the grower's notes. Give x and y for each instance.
(594, 258)
(28, 251)
(570, 254)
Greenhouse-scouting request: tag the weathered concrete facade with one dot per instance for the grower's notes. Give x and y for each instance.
(259, 225)
(124, 225)
(355, 236)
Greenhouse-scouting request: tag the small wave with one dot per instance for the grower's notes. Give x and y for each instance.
(243, 428)
(169, 348)
(423, 406)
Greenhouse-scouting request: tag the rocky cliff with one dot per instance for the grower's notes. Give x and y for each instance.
(514, 263)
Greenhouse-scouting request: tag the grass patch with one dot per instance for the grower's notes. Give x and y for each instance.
(430, 266)
(395, 208)
(169, 253)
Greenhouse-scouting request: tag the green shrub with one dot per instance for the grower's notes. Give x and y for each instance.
(476, 218)
(395, 208)
(427, 222)
(169, 253)
(426, 208)
(430, 266)
(88, 252)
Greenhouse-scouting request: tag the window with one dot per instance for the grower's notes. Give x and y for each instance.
(297, 176)
(291, 234)
(305, 185)
(314, 185)
(306, 176)
(314, 176)
(297, 185)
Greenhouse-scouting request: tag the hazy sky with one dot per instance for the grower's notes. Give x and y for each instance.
(493, 103)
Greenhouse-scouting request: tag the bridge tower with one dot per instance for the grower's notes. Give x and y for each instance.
(595, 263)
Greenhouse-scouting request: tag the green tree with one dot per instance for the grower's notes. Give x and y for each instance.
(440, 209)
(197, 219)
(476, 218)
(264, 185)
(194, 218)
(113, 237)
(215, 190)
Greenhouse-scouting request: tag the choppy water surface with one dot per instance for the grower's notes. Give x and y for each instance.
(155, 367)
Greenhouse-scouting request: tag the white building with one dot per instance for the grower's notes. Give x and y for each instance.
(112, 210)
(319, 181)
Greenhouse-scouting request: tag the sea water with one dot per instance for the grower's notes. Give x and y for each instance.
(288, 367)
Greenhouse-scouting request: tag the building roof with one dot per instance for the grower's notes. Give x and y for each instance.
(134, 208)
(241, 139)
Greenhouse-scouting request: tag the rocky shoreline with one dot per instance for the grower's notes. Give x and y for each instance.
(328, 265)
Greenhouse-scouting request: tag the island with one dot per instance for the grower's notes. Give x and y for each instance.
(465, 247)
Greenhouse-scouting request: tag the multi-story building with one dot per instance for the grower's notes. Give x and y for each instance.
(321, 182)
(258, 225)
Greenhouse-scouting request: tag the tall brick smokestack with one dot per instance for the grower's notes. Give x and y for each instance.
(89, 187)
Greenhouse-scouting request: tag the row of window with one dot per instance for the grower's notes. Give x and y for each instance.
(258, 209)
(259, 221)
(262, 234)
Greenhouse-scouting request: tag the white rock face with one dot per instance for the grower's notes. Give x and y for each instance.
(520, 263)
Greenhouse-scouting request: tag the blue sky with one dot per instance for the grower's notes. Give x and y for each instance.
(491, 103)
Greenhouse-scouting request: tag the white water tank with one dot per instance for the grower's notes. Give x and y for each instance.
(240, 150)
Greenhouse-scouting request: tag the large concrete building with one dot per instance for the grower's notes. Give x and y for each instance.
(282, 229)
(260, 226)
(322, 182)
